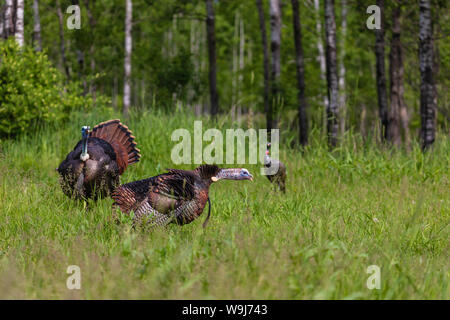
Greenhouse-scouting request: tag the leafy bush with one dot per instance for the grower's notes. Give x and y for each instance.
(173, 76)
(32, 91)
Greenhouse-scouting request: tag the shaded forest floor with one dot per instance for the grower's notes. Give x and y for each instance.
(342, 212)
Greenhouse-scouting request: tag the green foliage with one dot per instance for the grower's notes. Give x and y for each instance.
(174, 75)
(32, 91)
(170, 56)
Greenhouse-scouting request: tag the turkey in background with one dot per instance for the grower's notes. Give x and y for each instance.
(278, 178)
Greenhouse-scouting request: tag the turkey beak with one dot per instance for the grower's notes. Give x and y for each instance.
(251, 178)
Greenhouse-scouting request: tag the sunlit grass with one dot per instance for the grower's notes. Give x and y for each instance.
(343, 211)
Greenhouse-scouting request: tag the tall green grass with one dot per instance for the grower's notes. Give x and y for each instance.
(343, 211)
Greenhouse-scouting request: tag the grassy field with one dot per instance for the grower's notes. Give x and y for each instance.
(342, 212)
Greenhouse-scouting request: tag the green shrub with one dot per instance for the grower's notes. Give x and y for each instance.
(33, 91)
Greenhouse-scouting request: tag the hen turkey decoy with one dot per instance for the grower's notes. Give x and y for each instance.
(178, 196)
(278, 178)
(93, 168)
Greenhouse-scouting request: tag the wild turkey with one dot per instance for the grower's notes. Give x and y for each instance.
(178, 196)
(279, 178)
(93, 168)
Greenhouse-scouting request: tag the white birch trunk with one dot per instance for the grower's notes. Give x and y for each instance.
(37, 27)
(19, 23)
(332, 74)
(321, 56)
(241, 67)
(428, 99)
(275, 45)
(127, 62)
(234, 77)
(342, 96)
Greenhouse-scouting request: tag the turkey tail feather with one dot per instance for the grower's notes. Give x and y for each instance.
(122, 141)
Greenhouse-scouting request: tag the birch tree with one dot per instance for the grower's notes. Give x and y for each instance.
(332, 75)
(37, 41)
(342, 96)
(211, 36)
(234, 85)
(427, 86)
(241, 67)
(275, 45)
(19, 34)
(262, 27)
(321, 51)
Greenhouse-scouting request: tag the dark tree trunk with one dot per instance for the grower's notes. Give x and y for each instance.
(302, 116)
(211, 35)
(275, 45)
(397, 114)
(332, 75)
(342, 70)
(262, 27)
(381, 76)
(92, 23)
(61, 39)
(427, 86)
(37, 27)
(80, 59)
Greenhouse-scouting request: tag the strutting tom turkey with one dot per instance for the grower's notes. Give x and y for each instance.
(93, 168)
(178, 196)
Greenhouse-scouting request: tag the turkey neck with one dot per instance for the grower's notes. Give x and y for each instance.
(85, 142)
(227, 174)
(267, 160)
